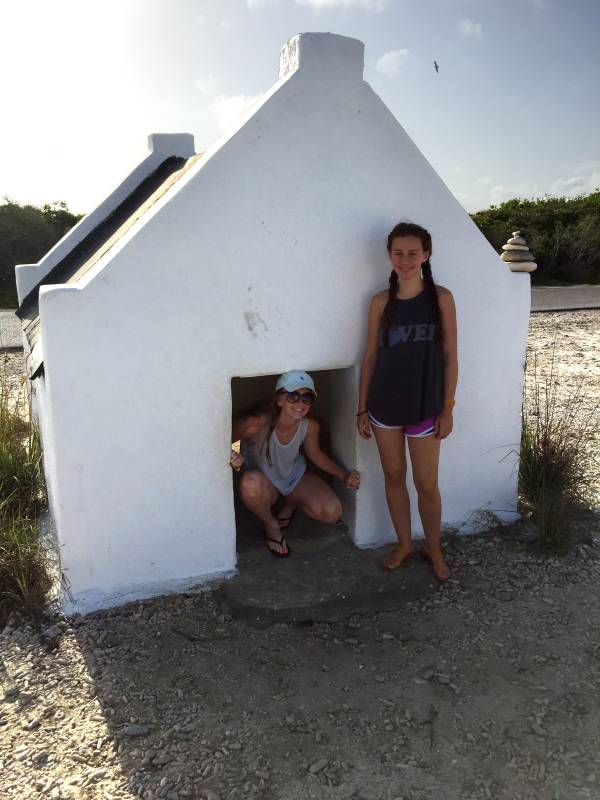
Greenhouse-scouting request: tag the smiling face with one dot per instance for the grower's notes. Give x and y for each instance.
(406, 256)
(292, 405)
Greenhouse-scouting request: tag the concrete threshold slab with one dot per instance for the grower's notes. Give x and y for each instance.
(325, 579)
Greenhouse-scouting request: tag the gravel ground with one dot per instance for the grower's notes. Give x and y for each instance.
(487, 689)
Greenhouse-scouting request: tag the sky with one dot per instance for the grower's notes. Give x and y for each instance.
(514, 110)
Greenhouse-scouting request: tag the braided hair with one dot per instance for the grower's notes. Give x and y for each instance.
(411, 229)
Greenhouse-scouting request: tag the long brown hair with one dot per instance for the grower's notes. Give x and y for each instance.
(268, 408)
(411, 229)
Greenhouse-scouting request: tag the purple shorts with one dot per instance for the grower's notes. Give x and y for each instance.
(424, 428)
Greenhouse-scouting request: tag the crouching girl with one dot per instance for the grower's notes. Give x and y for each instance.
(273, 464)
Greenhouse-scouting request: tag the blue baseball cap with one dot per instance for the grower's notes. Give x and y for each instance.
(294, 380)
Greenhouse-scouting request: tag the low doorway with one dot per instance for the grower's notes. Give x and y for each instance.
(334, 409)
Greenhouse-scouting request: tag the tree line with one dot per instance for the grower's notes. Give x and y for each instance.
(563, 233)
(26, 234)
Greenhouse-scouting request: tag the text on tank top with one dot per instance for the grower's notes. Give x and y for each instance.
(407, 386)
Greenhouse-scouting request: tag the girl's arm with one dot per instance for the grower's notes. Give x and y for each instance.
(312, 448)
(368, 362)
(444, 422)
(243, 428)
(246, 428)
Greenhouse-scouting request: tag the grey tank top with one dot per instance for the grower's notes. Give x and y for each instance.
(287, 462)
(407, 386)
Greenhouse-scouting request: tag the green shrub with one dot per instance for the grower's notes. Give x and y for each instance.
(555, 457)
(563, 233)
(24, 578)
(26, 234)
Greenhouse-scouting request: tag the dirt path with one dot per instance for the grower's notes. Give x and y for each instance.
(487, 688)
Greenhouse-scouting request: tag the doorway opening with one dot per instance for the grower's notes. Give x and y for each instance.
(337, 391)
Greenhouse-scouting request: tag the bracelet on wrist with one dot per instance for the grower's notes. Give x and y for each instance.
(450, 403)
(360, 413)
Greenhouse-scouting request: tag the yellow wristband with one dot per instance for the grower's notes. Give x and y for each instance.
(450, 403)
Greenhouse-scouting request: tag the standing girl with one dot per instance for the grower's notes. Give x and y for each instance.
(407, 383)
(270, 452)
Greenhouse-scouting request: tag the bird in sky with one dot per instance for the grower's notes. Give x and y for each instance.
(435, 64)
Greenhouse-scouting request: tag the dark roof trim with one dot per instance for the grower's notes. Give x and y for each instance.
(95, 245)
(66, 269)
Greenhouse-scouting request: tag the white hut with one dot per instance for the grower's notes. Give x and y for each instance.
(258, 256)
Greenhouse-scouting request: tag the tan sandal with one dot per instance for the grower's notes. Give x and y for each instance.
(397, 558)
(437, 564)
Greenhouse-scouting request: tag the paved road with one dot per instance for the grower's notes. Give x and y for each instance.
(10, 331)
(543, 298)
(564, 298)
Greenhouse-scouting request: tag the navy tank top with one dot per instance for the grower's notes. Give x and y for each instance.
(407, 386)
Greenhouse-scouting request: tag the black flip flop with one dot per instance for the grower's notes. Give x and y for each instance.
(282, 542)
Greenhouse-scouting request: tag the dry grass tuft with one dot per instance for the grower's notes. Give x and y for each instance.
(24, 577)
(555, 457)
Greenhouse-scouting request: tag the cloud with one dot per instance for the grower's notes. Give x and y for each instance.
(206, 85)
(500, 193)
(483, 180)
(469, 28)
(586, 166)
(563, 187)
(228, 108)
(463, 198)
(392, 62)
(363, 5)
(321, 5)
(578, 184)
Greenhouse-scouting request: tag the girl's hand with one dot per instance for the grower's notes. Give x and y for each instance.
(351, 480)
(443, 424)
(236, 460)
(364, 426)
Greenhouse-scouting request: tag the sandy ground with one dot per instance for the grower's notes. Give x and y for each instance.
(487, 687)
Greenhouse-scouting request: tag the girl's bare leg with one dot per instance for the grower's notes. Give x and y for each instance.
(393, 461)
(425, 457)
(313, 496)
(259, 495)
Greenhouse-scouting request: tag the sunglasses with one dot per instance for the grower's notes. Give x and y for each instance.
(293, 397)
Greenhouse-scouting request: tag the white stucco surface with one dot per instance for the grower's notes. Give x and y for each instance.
(262, 258)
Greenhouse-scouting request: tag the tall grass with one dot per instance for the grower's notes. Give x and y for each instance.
(556, 459)
(24, 578)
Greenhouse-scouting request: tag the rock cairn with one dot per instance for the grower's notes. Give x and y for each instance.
(517, 254)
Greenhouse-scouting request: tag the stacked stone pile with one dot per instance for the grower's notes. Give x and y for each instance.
(517, 254)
